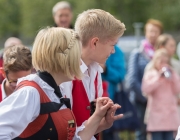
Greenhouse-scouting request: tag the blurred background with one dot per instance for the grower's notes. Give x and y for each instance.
(23, 18)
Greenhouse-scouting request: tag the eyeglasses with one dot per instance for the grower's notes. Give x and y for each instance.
(11, 82)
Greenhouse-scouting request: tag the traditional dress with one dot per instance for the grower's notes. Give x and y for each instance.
(35, 111)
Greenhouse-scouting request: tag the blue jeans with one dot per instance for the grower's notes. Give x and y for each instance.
(162, 135)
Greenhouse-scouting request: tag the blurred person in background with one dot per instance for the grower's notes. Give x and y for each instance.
(62, 14)
(168, 42)
(114, 72)
(12, 41)
(9, 42)
(17, 63)
(161, 86)
(138, 60)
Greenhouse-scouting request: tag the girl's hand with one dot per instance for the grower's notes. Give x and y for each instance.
(102, 106)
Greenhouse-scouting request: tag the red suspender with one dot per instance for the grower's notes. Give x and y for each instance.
(96, 86)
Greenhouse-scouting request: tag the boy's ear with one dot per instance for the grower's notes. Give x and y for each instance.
(94, 42)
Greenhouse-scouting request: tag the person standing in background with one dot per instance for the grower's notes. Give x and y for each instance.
(114, 72)
(167, 41)
(138, 60)
(62, 14)
(161, 85)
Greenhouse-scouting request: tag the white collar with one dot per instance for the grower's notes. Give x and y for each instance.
(83, 67)
(93, 65)
(3, 90)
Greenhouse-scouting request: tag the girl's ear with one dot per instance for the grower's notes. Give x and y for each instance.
(2, 72)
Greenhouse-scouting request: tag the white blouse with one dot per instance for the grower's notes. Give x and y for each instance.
(23, 107)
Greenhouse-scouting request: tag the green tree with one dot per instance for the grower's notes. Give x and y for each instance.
(9, 18)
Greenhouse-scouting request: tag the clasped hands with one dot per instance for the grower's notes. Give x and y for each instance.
(105, 110)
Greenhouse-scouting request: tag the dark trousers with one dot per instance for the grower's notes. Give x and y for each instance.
(141, 132)
(109, 135)
(164, 135)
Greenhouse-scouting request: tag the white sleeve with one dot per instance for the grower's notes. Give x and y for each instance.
(100, 88)
(66, 89)
(178, 134)
(78, 129)
(17, 111)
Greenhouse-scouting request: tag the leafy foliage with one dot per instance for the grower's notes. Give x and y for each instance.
(25, 17)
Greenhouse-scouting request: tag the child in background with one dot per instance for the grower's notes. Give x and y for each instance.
(161, 86)
(168, 42)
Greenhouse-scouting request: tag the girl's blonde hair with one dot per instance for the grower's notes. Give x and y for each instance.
(162, 40)
(57, 49)
(159, 54)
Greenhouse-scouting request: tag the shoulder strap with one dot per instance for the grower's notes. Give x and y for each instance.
(46, 77)
(43, 96)
(46, 105)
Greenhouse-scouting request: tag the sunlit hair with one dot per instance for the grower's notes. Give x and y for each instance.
(98, 23)
(57, 50)
(61, 5)
(17, 58)
(159, 54)
(162, 40)
(156, 23)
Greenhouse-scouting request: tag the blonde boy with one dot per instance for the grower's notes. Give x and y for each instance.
(99, 31)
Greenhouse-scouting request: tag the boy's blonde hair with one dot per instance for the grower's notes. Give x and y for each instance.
(17, 58)
(162, 40)
(57, 49)
(98, 23)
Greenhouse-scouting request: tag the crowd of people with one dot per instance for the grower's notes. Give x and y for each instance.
(153, 80)
(66, 87)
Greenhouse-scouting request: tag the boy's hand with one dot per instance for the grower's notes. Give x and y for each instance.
(110, 117)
